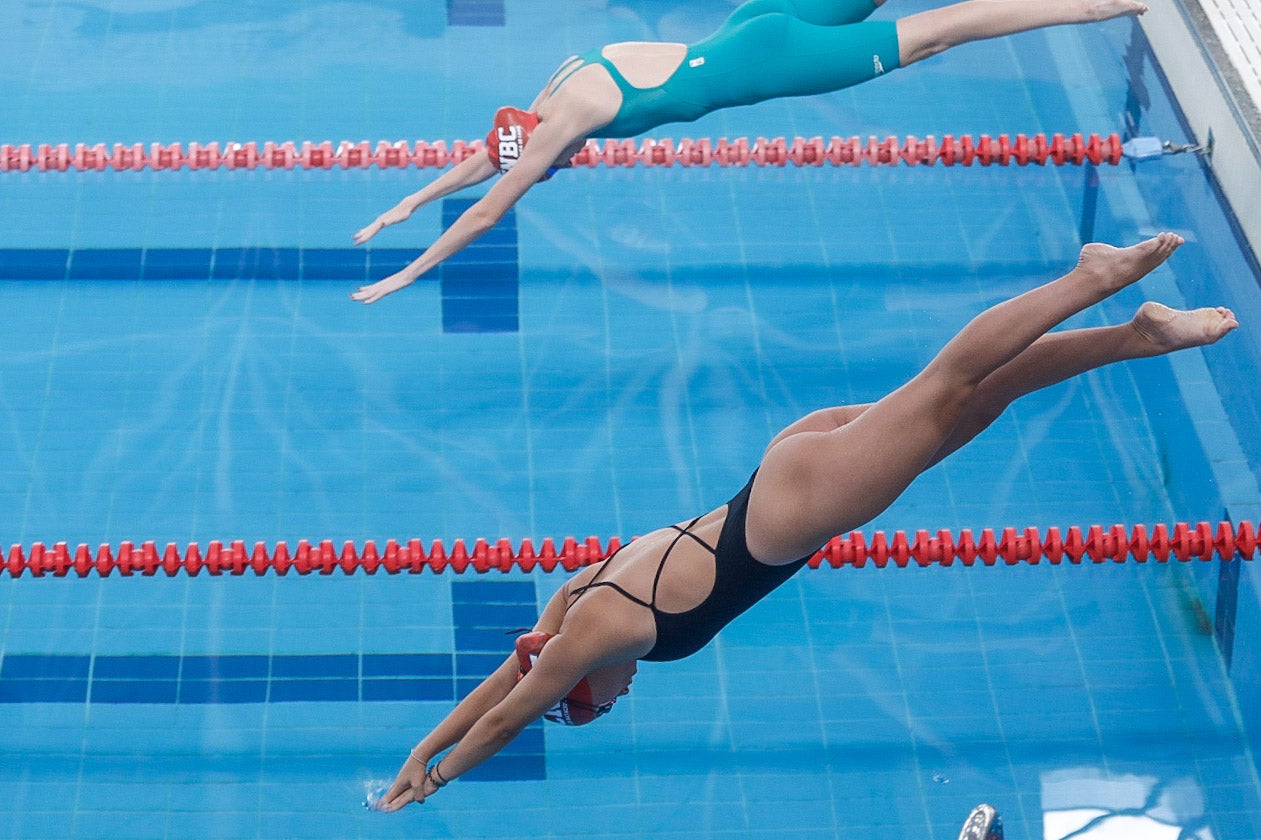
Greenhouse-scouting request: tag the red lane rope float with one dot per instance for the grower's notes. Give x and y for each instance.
(1010, 547)
(950, 150)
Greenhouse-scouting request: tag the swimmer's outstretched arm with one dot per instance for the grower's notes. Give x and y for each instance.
(567, 658)
(411, 785)
(468, 172)
(548, 142)
(414, 782)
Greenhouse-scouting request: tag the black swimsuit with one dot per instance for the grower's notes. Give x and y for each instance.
(740, 581)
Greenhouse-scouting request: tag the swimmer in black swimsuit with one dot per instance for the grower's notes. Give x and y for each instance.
(665, 595)
(766, 49)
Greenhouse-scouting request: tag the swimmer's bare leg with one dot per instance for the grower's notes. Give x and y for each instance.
(817, 483)
(928, 33)
(1154, 330)
(1055, 357)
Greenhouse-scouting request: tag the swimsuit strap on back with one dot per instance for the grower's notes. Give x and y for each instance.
(572, 65)
(567, 68)
(685, 531)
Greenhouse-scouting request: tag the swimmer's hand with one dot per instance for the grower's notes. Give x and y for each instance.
(375, 291)
(412, 785)
(399, 213)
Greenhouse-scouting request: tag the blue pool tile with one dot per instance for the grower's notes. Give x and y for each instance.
(1236, 798)
(335, 264)
(481, 663)
(508, 768)
(406, 665)
(105, 264)
(219, 822)
(326, 666)
(288, 691)
(43, 691)
(408, 689)
(176, 264)
(34, 264)
(225, 667)
(480, 281)
(35, 666)
(499, 592)
(483, 639)
(479, 315)
(256, 264)
(475, 12)
(105, 824)
(134, 691)
(222, 691)
(383, 262)
(135, 667)
(498, 616)
(304, 824)
(479, 285)
(41, 824)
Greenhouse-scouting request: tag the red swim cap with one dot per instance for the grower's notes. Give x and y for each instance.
(575, 708)
(507, 139)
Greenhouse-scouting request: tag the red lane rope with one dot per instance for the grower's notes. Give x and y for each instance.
(1010, 547)
(950, 150)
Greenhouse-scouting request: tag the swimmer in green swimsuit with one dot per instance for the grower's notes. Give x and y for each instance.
(766, 49)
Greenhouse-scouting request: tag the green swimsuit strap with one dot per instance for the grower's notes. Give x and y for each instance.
(576, 63)
(567, 68)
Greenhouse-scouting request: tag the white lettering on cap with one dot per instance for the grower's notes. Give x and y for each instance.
(511, 143)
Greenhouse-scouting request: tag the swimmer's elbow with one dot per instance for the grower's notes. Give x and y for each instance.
(499, 729)
(482, 218)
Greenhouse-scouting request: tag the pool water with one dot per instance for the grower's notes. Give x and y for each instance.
(182, 363)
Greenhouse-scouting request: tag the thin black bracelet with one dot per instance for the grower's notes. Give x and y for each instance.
(441, 782)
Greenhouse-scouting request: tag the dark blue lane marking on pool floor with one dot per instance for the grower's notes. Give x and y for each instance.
(475, 12)
(349, 265)
(484, 618)
(484, 615)
(56, 678)
(480, 284)
(1227, 604)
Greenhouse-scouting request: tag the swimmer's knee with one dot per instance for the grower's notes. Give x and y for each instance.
(917, 40)
(910, 52)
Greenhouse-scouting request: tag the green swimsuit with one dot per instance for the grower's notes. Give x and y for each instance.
(766, 49)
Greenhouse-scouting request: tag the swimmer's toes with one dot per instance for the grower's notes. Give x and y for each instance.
(1178, 329)
(1108, 9)
(1115, 268)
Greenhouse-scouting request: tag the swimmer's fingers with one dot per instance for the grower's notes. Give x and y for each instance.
(364, 234)
(404, 798)
(369, 294)
(365, 295)
(374, 292)
(390, 217)
(407, 788)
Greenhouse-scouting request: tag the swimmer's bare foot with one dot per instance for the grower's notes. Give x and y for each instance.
(1108, 9)
(1165, 330)
(1113, 268)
